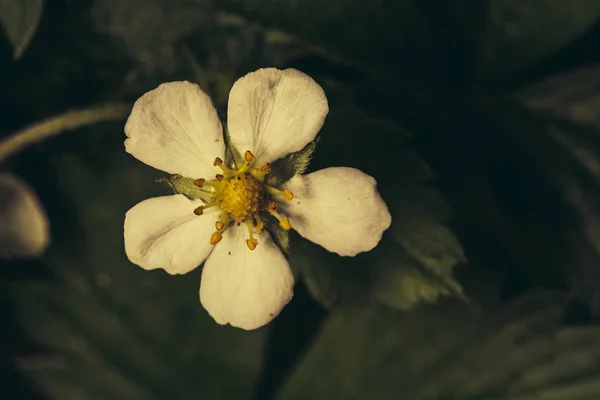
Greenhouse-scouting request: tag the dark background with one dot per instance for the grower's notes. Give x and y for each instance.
(486, 108)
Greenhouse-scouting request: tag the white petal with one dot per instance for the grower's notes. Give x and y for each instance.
(24, 228)
(338, 208)
(245, 288)
(273, 113)
(175, 128)
(164, 232)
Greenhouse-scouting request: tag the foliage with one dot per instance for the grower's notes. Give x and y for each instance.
(477, 119)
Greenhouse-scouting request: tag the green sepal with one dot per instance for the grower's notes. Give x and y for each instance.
(186, 187)
(280, 236)
(232, 156)
(285, 168)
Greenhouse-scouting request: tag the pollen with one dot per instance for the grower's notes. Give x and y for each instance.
(215, 238)
(285, 224)
(243, 196)
(287, 195)
(199, 182)
(251, 243)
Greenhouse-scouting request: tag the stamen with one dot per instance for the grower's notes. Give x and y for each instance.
(259, 174)
(215, 238)
(252, 242)
(199, 182)
(217, 162)
(219, 177)
(200, 209)
(248, 156)
(259, 224)
(283, 222)
(286, 194)
(219, 225)
(273, 206)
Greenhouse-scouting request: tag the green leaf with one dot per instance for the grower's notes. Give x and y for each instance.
(520, 352)
(355, 33)
(151, 29)
(556, 122)
(114, 330)
(20, 20)
(519, 33)
(402, 281)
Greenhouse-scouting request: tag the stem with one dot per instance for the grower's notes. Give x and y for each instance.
(60, 123)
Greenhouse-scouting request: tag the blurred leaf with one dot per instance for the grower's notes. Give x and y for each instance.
(151, 28)
(556, 122)
(415, 259)
(359, 32)
(115, 330)
(571, 96)
(20, 20)
(519, 33)
(520, 352)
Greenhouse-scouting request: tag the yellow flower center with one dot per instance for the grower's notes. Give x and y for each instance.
(243, 195)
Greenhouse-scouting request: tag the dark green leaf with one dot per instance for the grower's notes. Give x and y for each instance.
(557, 123)
(354, 32)
(151, 28)
(521, 352)
(519, 33)
(20, 20)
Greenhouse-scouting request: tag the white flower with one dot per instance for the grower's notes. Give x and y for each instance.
(246, 279)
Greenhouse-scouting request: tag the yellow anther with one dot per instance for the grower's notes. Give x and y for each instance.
(287, 195)
(259, 224)
(219, 225)
(241, 197)
(251, 243)
(248, 156)
(215, 238)
(199, 182)
(259, 174)
(219, 177)
(273, 206)
(217, 162)
(199, 210)
(285, 224)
